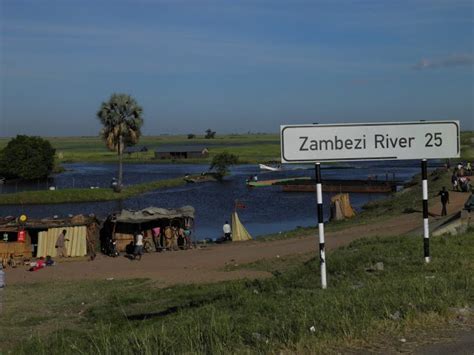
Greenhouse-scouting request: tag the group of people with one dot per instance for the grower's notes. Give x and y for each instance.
(168, 238)
(460, 182)
(41, 263)
(460, 178)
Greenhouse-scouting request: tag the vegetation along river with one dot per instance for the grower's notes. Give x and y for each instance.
(267, 209)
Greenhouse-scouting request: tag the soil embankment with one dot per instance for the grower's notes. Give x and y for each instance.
(206, 265)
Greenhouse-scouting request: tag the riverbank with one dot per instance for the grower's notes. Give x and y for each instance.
(363, 308)
(275, 309)
(85, 195)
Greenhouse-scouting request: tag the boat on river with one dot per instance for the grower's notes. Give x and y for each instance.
(271, 182)
(307, 184)
(270, 168)
(341, 186)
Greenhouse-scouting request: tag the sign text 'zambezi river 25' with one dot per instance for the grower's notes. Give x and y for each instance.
(370, 141)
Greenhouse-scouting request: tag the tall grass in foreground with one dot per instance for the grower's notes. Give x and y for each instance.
(359, 309)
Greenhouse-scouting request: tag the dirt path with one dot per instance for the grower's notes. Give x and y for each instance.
(206, 265)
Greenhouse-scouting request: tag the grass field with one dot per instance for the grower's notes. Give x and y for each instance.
(467, 145)
(250, 148)
(85, 195)
(360, 310)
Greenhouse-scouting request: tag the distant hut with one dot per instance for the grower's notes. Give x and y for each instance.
(121, 227)
(37, 237)
(181, 152)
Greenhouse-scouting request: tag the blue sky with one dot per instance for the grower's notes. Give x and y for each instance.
(234, 66)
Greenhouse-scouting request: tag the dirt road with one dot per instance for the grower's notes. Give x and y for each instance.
(207, 264)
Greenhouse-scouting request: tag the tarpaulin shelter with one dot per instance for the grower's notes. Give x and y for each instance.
(239, 233)
(122, 226)
(41, 235)
(76, 244)
(341, 207)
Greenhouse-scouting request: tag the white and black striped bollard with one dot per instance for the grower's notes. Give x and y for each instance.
(426, 226)
(322, 252)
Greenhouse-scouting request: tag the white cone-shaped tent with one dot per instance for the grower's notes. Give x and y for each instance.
(239, 233)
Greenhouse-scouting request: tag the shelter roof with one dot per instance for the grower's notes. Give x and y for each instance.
(180, 148)
(136, 149)
(152, 214)
(78, 220)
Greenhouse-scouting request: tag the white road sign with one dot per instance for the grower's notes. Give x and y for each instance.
(369, 141)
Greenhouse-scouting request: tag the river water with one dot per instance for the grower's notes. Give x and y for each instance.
(267, 209)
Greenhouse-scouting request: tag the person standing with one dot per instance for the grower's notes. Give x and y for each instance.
(61, 245)
(444, 200)
(138, 250)
(454, 181)
(227, 231)
(2, 286)
(156, 233)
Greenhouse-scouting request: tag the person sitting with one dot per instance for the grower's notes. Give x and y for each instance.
(37, 265)
(468, 169)
(129, 248)
(49, 261)
(465, 184)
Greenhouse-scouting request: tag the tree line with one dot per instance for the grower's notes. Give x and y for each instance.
(28, 158)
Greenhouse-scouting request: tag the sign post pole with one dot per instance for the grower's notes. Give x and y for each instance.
(426, 226)
(322, 252)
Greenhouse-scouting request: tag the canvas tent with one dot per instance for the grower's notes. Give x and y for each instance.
(239, 233)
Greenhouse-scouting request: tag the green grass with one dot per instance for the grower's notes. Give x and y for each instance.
(467, 145)
(251, 148)
(85, 195)
(359, 310)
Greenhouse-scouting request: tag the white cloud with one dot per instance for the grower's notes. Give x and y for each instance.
(455, 60)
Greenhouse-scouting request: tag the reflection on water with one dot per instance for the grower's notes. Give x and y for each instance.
(267, 210)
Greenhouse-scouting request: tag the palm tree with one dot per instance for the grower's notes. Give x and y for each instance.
(122, 119)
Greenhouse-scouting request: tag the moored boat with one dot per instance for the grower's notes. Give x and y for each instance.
(360, 186)
(270, 168)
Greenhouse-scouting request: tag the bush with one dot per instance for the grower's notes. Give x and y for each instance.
(27, 158)
(221, 162)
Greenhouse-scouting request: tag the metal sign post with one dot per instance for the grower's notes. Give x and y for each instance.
(315, 143)
(426, 226)
(319, 198)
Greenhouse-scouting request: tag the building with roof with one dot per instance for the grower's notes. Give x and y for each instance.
(135, 149)
(181, 152)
